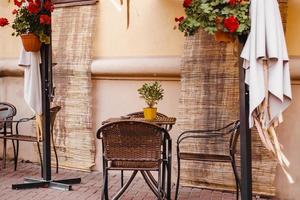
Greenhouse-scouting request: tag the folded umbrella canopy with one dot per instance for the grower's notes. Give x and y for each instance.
(267, 74)
(32, 85)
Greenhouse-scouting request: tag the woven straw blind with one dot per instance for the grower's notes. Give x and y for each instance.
(210, 99)
(73, 29)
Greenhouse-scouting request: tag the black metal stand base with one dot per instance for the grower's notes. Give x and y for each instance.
(29, 183)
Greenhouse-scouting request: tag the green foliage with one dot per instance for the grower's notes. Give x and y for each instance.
(204, 14)
(152, 93)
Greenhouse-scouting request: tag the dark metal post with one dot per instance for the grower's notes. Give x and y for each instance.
(46, 70)
(47, 91)
(245, 139)
(46, 65)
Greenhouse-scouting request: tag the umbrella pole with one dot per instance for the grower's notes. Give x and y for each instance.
(245, 138)
(46, 79)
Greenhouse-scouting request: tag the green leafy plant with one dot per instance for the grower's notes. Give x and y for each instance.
(152, 93)
(215, 15)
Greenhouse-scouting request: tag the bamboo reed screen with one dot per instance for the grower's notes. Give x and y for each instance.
(73, 29)
(210, 99)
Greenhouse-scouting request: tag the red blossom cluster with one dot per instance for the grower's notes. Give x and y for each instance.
(233, 2)
(187, 3)
(19, 2)
(3, 22)
(45, 19)
(231, 24)
(179, 19)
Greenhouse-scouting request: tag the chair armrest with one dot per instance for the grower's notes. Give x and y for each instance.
(17, 121)
(199, 134)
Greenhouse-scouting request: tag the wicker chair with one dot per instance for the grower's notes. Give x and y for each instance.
(136, 146)
(6, 127)
(231, 130)
(28, 138)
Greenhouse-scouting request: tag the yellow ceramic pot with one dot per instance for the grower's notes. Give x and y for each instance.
(150, 113)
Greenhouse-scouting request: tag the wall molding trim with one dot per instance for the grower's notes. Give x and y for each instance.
(9, 67)
(166, 68)
(135, 68)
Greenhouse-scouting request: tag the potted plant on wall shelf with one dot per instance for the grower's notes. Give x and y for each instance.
(152, 94)
(31, 23)
(223, 18)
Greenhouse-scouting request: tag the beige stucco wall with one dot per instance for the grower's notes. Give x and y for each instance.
(150, 34)
(293, 27)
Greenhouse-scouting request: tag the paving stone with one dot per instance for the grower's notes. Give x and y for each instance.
(91, 186)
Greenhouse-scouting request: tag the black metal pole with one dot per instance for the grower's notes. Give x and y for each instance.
(46, 64)
(245, 138)
(47, 92)
(46, 56)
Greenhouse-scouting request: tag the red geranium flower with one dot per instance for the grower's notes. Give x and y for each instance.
(14, 12)
(187, 3)
(19, 3)
(3, 22)
(179, 19)
(33, 8)
(231, 24)
(232, 2)
(49, 6)
(45, 19)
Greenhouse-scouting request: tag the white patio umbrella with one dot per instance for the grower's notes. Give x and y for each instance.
(32, 85)
(267, 74)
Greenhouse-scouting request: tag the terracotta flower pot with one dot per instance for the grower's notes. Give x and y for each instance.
(31, 42)
(221, 36)
(150, 113)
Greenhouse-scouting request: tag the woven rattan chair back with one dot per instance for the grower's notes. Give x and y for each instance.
(132, 141)
(137, 146)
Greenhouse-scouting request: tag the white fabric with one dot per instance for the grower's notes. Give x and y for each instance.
(32, 80)
(266, 40)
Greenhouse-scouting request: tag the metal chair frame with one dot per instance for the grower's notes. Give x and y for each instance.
(156, 186)
(19, 137)
(7, 127)
(200, 134)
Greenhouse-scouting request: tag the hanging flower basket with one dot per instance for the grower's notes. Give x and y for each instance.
(32, 22)
(31, 42)
(214, 17)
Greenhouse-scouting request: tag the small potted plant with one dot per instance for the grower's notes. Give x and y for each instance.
(32, 23)
(223, 18)
(151, 93)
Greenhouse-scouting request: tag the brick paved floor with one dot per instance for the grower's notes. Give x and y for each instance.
(89, 189)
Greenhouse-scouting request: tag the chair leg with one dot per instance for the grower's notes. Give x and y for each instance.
(159, 181)
(104, 195)
(41, 160)
(124, 188)
(164, 167)
(4, 154)
(55, 153)
(15, 153)
(178, 176)
(122, 178)
(169, 175)
(235, 176)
